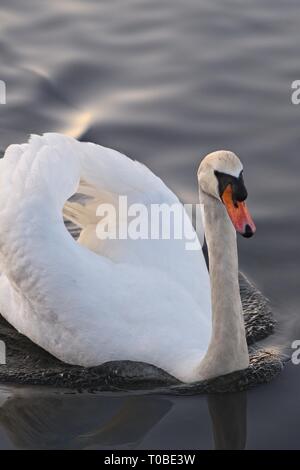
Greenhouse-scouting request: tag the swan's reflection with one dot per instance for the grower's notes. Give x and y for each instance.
(80, 421)
(48, 420)
(229, 419)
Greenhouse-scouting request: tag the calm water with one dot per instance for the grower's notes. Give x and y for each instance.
(167, 82)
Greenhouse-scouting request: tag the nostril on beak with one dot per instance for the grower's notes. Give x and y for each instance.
(248, 232)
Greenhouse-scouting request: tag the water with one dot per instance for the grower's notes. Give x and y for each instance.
(167, 82)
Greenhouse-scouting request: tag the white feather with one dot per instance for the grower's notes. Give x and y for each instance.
(93, 301)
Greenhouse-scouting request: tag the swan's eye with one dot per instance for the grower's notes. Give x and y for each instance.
(239, 191)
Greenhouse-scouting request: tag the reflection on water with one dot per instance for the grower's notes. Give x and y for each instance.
(167, 82)
(47, 420)
(229, 417)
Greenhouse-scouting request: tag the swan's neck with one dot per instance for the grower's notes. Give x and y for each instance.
(227, 350)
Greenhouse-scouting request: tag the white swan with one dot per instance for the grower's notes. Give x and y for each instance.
(93, 301)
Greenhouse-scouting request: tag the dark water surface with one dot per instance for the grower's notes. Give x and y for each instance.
(166, 82)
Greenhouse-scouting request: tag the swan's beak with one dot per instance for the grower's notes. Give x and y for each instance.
(238, 213)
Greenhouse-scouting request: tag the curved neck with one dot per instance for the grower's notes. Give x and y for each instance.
(227, 350)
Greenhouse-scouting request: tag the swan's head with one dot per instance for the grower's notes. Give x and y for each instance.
(220, 175)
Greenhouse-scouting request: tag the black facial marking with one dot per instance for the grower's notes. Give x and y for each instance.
(239, 191)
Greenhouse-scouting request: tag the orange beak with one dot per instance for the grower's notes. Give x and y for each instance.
(239, 214)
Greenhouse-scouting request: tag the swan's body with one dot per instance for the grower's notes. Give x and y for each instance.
(93, 301)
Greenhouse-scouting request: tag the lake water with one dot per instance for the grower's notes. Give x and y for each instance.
(166, 82)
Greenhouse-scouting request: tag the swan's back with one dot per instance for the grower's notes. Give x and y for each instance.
(94, 301)
(106, 176)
